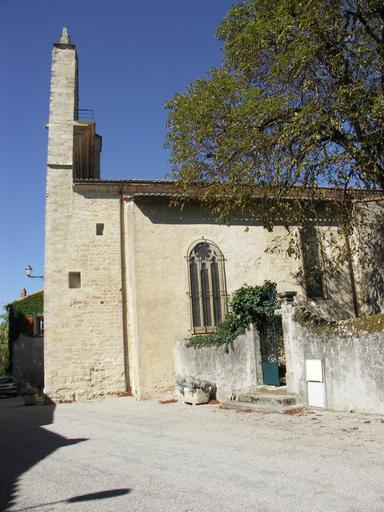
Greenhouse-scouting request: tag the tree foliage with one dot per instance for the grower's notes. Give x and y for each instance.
(4, 354)
(299, 100)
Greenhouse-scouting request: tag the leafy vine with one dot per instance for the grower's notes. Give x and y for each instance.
(248, 305)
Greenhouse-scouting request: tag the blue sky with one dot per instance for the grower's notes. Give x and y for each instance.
(133, 57)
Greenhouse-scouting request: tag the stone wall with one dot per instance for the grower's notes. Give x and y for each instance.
(353, 359)
(84, 326)
(28, 360)
(229, 371)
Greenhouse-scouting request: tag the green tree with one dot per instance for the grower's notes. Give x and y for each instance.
(4, 356)
(299, 100)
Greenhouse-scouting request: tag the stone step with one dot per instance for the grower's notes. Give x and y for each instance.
(270, 390)
(266, 398)
(262, 407)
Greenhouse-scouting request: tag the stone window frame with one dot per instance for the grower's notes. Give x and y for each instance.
(208, 308)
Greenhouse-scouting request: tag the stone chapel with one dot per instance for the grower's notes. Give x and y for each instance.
(127, 276)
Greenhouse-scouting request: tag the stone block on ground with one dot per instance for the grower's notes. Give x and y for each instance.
(195, 396)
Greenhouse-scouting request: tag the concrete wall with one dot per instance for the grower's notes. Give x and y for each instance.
(353, 361)
(231, 372)
(158, 239)
(28, 360)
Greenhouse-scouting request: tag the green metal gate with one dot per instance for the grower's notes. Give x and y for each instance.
(272, 350)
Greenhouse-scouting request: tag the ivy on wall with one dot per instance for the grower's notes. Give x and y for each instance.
(31, 305)
(20, 311)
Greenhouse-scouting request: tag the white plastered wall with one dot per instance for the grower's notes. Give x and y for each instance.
(159, 309)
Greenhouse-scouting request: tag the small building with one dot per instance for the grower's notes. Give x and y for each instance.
(26, 339)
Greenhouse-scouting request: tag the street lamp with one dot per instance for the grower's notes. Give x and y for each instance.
(28, 272)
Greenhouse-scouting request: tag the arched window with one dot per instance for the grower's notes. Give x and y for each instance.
(206, 286)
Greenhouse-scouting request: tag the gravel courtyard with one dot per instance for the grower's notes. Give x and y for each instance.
(119, 454)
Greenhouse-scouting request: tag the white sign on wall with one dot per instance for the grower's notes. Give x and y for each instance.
(314, 370)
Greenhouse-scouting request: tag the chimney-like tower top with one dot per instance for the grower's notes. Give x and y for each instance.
(65, 38)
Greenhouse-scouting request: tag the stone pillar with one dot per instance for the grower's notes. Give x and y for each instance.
(259, 368)
(287, 300)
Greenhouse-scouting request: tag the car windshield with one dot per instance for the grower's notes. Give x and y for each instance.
(6, 380)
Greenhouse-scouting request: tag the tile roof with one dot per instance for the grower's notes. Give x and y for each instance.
(168, 188)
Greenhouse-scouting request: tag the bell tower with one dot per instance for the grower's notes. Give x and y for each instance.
(84, 337)
(73, 153)
(72, 142)
(63, 104)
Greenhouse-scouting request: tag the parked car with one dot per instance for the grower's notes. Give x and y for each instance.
(8, 386)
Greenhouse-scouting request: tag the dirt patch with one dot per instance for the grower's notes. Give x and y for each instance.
(291, 412)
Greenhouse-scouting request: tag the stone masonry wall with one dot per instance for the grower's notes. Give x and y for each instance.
(84, 350)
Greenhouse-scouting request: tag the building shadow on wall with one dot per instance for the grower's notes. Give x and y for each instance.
(374, 265)
(24, 442)
(159, 210)
(337, 303)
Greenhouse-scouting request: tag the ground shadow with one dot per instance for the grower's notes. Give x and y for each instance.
(101, 495)
(23, 443)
